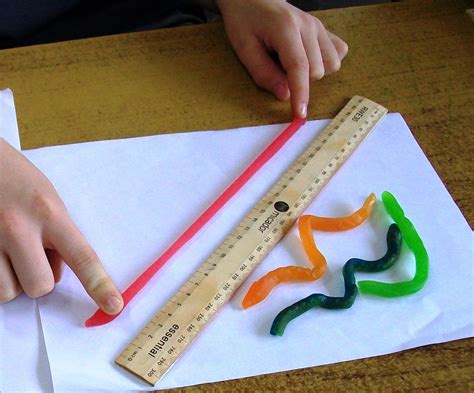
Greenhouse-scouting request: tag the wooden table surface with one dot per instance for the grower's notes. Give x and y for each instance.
(414, 57)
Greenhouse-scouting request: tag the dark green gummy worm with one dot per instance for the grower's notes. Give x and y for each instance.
(394, 241)
(414, 243)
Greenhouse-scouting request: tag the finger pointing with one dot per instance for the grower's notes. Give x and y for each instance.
(84, 262)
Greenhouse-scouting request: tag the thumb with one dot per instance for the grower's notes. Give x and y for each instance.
(69, 242)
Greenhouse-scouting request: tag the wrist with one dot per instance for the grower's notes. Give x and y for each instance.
(223, 5)
(220, 4)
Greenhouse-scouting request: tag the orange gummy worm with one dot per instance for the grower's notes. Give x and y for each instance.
(261, 288)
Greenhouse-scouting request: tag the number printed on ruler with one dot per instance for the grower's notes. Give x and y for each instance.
(156, 348)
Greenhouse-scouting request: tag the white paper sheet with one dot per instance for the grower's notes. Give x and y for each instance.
(8, 124)
(20, 329)
(132, 197)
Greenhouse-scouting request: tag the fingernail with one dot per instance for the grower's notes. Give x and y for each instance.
(303, 108)
(113, 304)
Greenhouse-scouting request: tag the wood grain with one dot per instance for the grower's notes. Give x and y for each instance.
(413, 57)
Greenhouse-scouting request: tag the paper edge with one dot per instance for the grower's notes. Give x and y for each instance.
(11, 136)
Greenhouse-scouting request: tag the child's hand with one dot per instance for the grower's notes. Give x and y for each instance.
(304, 47)
(36, 234)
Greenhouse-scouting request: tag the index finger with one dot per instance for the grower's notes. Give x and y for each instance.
(72, 246)
(294, 60)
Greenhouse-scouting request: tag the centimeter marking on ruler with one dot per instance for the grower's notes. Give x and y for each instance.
(156, 348)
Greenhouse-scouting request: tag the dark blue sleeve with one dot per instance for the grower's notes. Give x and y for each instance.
(30, 22)
(19, 18)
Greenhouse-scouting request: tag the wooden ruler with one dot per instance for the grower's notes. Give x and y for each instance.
(156, 348)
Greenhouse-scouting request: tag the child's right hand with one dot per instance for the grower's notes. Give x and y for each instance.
(37, 234)
(305, 48)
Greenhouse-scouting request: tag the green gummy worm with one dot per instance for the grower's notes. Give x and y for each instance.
(414, 243)
(394, 241)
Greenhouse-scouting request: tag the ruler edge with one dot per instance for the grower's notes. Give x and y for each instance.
(340, 113)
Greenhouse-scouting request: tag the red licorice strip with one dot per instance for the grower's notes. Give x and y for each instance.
(101, 318)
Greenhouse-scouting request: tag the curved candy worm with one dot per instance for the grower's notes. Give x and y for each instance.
(394, 241)
(414, 242)
(261, 288)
